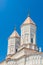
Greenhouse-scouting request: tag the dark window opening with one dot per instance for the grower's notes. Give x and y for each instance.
(16, 50)
(31, 40)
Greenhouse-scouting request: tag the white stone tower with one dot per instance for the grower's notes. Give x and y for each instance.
(13, 43)
(28, 33)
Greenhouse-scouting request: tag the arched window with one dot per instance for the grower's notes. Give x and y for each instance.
(16, 50)
(31, 40)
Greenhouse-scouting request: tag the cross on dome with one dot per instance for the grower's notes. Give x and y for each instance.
(14, 34)
(28, 21)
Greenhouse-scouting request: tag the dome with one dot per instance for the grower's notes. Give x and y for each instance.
(28, 21)
(14, 34)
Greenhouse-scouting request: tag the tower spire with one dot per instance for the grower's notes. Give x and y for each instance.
(15, 28)
(29, 14)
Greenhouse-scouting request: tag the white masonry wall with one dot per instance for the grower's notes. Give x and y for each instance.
(25, 34)
(30, 60)
(34, 60)
(33, 33)
(10, 62)
(11, 46)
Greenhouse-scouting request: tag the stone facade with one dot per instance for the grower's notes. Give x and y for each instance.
(23, 50)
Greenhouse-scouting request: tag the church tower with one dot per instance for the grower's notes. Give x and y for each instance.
(13, 43)
(28, 33)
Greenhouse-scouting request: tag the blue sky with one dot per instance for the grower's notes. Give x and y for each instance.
(13, 13)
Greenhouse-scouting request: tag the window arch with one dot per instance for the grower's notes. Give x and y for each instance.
(31, 40)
